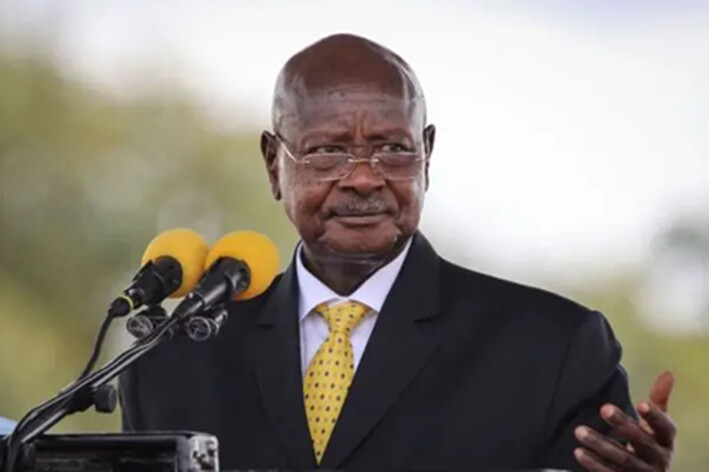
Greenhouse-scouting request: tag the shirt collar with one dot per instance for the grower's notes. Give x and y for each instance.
(372, 292)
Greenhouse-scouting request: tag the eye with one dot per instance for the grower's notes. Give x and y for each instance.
(393, 147)
(326, 149)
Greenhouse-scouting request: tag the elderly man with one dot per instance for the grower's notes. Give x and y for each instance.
(371, 351)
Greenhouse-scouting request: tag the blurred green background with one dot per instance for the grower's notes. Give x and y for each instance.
(87, 179)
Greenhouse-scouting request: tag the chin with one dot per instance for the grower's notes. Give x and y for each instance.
(364, 253)
(360, 243)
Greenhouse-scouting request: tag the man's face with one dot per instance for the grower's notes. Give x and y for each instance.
(363, 214)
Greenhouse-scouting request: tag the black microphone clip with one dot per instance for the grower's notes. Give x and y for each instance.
(199, 328)
(144, 323)
(205, 326)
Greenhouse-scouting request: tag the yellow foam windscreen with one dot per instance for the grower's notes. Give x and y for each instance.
(256, 250)
(188, 248)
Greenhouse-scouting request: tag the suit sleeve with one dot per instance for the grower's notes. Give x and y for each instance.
(130, 401)
(590, 376)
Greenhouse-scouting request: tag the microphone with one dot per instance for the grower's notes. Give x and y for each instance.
(240, 265)
(172, 264)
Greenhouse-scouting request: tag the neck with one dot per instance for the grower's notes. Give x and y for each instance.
(345, 273)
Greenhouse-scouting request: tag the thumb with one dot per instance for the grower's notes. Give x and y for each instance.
(661, 390)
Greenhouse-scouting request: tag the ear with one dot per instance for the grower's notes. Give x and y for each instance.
(429, 138)
(269, 150)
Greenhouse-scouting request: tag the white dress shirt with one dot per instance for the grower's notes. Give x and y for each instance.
(313, 327)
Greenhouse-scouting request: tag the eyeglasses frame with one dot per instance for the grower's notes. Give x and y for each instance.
(351, 159)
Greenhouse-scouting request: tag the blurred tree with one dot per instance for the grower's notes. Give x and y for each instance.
(674, 294)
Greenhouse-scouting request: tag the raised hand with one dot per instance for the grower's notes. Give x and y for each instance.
(650, 440)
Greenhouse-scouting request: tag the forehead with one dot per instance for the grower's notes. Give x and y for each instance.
(354, 108)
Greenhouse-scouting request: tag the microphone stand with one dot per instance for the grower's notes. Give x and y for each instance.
(80, 396)
(225, 278)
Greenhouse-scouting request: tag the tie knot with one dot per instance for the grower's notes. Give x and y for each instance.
(343, 317)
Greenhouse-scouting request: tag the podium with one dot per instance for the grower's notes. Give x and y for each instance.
(181, 451)
(140, 452)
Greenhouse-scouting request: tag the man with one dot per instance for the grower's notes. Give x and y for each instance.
(372, 352)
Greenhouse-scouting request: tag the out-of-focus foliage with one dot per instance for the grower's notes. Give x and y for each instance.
(86, 180)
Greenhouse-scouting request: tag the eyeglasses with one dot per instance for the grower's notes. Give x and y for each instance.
(329, 166)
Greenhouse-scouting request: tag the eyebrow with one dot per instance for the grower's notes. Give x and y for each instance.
(345, 136)
(384, 133)
(332, 135)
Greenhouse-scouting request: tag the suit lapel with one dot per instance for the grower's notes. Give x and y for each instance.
(276, 353)
(398, 349)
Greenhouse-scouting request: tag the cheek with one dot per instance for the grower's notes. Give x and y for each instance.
(302, 201)
(410, 196)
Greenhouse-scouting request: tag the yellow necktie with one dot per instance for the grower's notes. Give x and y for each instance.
(330, 372)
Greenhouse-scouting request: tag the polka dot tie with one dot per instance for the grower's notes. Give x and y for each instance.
(330, 373)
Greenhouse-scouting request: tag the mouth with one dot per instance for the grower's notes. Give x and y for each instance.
(360, 213)
(360, 219)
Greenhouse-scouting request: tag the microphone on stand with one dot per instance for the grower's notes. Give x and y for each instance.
(240, 265)
(171, 266)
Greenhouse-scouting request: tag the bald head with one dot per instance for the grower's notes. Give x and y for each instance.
(339, 65)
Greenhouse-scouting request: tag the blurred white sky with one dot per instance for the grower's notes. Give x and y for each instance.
(569, 133)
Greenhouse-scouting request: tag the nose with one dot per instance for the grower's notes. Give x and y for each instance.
(363, 179)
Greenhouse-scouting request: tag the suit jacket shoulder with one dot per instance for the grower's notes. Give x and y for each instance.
(514, 298)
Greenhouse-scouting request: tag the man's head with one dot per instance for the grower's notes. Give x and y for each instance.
(345, 94)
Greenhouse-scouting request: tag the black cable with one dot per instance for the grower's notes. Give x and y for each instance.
(10, 447)
(98, 345)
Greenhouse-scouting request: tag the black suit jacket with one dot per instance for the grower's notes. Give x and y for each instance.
(462, 371)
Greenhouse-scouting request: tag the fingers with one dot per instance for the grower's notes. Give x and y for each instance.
(590, 461)
(645, 426)
(663, 428)
(644, 444)
(662, 389)
(650, 440)
(607, 453)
